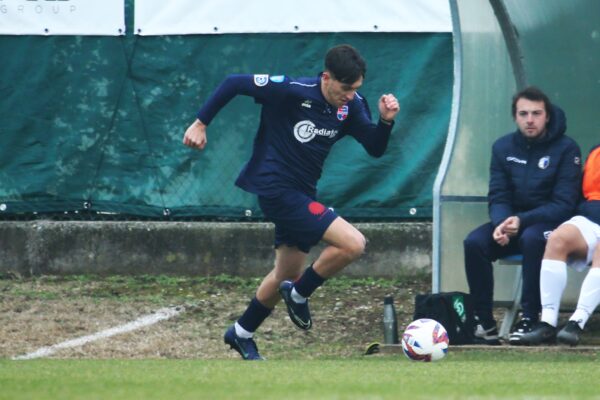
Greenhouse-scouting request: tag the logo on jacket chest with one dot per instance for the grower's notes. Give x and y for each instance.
(516, 160)
(543, 162)
(305, 131)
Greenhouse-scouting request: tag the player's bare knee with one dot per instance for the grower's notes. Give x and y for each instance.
(558, 245)
(356, 246)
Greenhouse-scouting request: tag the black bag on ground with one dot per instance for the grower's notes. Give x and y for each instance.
(454, 310)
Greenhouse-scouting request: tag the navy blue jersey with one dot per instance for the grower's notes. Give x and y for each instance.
(296, 131)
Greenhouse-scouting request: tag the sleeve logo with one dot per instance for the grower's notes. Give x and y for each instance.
(261, 79)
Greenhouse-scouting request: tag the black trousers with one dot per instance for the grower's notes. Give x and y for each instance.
(481, 250)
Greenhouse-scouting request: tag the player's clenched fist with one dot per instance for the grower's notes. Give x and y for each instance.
(388, 106)
(195, 135)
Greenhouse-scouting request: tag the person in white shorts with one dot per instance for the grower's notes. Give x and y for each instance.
(575, 243)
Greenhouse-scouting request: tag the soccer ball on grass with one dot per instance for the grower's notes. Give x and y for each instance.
(425, 340)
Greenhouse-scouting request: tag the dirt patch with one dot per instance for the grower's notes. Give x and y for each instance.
(347, 316)
(45, 311)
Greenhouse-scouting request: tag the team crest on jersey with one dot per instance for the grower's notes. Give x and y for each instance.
(261, 79)
(342, 113)
(544, 162)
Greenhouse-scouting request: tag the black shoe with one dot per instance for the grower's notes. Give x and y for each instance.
(487, 336)
(246, 347)
(542, 332)
(570, 334)
(299, 312)
(525, 325)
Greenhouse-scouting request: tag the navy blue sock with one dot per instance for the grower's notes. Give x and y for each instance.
(254, 315)
(308, 282)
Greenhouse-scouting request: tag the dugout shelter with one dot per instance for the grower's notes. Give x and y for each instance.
(500, 47)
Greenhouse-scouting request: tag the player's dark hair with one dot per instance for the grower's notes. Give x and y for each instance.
(345, 63)
(531, 93)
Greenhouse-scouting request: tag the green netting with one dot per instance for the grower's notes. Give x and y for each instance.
(94, 124)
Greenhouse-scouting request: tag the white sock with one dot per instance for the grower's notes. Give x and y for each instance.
(297, 298)
(553, 279)
(589, 297)
(241, 332)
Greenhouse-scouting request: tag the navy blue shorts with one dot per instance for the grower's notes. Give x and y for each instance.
(299, 220)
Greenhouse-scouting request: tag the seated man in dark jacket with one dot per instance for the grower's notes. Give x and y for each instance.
(576, 243)
(535, 181)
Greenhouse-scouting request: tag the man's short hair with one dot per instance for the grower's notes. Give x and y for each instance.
(531, 93)
(345, 63)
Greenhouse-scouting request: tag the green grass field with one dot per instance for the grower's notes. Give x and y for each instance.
(462, 374)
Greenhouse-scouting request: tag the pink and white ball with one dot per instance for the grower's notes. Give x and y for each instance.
(425, 340)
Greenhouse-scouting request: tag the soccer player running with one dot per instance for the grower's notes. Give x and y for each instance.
(301, 118)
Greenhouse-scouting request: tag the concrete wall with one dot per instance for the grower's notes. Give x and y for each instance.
(190, 248)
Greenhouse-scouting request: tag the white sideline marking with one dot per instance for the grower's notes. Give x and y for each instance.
(146, 320)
